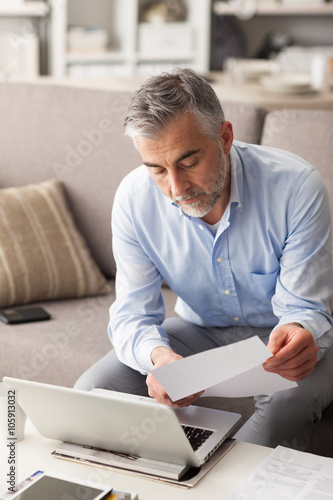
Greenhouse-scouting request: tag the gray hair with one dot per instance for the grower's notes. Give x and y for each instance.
(165, 97)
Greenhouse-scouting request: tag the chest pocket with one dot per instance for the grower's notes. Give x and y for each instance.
(262, 288)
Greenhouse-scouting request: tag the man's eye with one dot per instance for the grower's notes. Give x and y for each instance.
(160, 172)
(188, 167)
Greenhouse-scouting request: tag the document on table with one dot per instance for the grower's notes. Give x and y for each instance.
(234, 370)
(288, 474)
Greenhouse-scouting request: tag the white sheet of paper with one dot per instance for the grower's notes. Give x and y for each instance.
(289, 475)
(250, 383)
(234, 370)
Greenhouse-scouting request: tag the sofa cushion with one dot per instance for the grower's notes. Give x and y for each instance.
(75, 135)
(247, 120)
(60, 350)
(308, 134)
(43, 255)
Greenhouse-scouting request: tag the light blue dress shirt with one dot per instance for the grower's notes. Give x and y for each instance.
(268, 264)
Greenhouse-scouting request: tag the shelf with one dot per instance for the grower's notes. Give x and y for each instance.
(135, 44)
(271, 9)
(98, 57)
(27, 9)
(118, 57)
(171, 56)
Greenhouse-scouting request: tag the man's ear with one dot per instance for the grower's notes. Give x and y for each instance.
(227, 136)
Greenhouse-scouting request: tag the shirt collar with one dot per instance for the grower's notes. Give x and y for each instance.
(236, 172)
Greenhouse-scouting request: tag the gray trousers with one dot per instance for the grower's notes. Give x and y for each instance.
(286, 417)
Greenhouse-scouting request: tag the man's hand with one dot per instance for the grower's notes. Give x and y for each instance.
(162, 356)
(294, 352)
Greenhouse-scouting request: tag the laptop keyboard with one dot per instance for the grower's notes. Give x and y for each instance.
(196, 436)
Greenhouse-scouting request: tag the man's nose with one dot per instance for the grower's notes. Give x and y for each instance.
(179, 183)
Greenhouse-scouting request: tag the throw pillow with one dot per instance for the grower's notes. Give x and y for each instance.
(42, 253)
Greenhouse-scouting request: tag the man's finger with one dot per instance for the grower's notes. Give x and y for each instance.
(189, 399)
(286, 355)
(297, 373)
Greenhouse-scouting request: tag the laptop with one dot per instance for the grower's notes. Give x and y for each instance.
(124, 423)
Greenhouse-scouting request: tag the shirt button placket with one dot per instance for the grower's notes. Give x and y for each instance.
(223, 276)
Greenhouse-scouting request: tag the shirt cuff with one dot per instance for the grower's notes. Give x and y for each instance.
(143, 357)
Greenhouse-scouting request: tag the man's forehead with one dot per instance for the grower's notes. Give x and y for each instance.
(181, 126)
(178, 141)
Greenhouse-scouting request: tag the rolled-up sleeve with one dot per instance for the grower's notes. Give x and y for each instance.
(138, 312)
(304, 284)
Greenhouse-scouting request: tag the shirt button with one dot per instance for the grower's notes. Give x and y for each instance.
(227, 292)
(201, 227)
(219, 259)
(236, 319)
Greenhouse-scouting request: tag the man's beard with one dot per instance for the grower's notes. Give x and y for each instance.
(207, 199)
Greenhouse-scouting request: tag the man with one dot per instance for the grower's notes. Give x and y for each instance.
(241, 233)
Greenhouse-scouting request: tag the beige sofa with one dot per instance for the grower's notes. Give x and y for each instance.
(75, 135)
